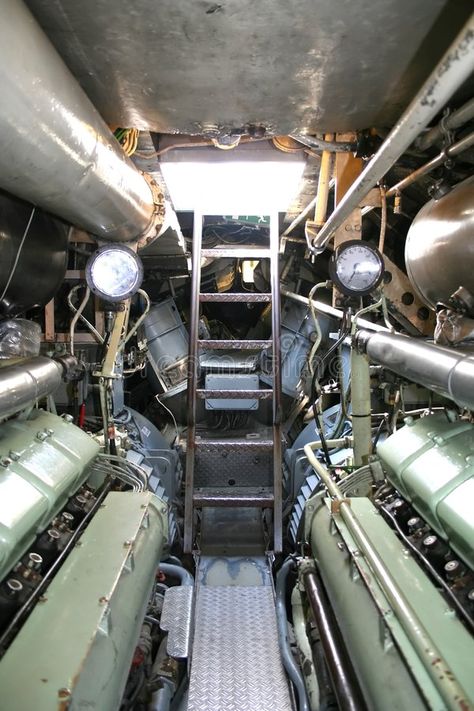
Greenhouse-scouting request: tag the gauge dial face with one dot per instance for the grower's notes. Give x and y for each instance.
(357, 268)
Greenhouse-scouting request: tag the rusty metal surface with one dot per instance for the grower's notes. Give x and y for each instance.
(246, 345)
(232, 394)
(302, 65)
(234, 297)
(237, 252)
(231, 497)
(234, 445)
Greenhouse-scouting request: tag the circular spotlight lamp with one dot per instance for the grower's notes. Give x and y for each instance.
(114, 272)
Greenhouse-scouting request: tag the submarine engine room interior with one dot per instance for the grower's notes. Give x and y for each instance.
(237, 355)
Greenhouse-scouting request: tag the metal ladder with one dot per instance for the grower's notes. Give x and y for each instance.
(262, 497)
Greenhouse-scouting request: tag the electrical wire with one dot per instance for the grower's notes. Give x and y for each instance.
(317, 342)
(17, 258)
(157, 398)
(76, 318)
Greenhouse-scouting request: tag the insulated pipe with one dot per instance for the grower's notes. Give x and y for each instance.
(443, 678)
(361, 411)
(288, 660)
(23, 383)
(444, 370)
(57, 152)
(449, 74)
(455, 120)
(344, 681)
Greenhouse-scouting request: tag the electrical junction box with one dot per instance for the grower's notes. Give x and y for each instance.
(224, 381)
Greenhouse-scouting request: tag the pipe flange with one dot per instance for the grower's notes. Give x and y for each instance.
(159, 212)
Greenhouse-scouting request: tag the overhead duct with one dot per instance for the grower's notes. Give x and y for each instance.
(443, 370)
(57, 152)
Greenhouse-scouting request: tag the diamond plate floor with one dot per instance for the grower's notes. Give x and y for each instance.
(236, 664)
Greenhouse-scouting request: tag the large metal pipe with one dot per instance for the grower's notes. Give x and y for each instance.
(344, 681)
(57, 152)
(452, 70)
(455, 120)
(443, 370)
(23, 383)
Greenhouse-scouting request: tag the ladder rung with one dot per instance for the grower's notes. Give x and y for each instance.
(234, 298)
(233, 496)
(244, 345)
(234, 394)
(233, 445)
(237, 252)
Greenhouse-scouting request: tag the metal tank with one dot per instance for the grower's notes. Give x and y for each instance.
(34, 252)
(439, 251)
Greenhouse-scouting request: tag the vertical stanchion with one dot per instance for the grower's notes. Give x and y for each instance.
(193, 372)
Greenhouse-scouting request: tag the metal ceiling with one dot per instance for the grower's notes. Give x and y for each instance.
(287, 65)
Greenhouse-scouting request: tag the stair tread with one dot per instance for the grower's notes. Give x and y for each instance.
(235, 297)
(238, 252)
(263, 394)
(233, 496)
(245, 344)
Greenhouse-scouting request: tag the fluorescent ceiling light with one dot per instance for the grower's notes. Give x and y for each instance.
(233, 187)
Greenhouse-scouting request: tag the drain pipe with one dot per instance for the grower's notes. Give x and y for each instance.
(288, 660)
(450, 73)
(57, 152)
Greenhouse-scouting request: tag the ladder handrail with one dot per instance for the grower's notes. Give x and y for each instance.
(193, 374)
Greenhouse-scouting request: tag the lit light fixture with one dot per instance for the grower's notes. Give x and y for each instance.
(242, 181)
(114, 272)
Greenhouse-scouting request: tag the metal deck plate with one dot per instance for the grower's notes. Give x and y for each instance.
(236, 664)
(176, 618)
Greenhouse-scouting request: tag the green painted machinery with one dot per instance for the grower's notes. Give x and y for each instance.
(431, 462)
(75, 650)
(43, 460)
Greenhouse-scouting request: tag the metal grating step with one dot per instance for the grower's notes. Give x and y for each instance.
(232, 496)
(237, 252)
(245, 345)
(233, 446)
(236, 663)
(235, 297)
(204, 394)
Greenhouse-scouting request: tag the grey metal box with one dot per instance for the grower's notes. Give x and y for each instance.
(224, 381)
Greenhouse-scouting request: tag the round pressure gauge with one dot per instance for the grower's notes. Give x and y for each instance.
(356, 268)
